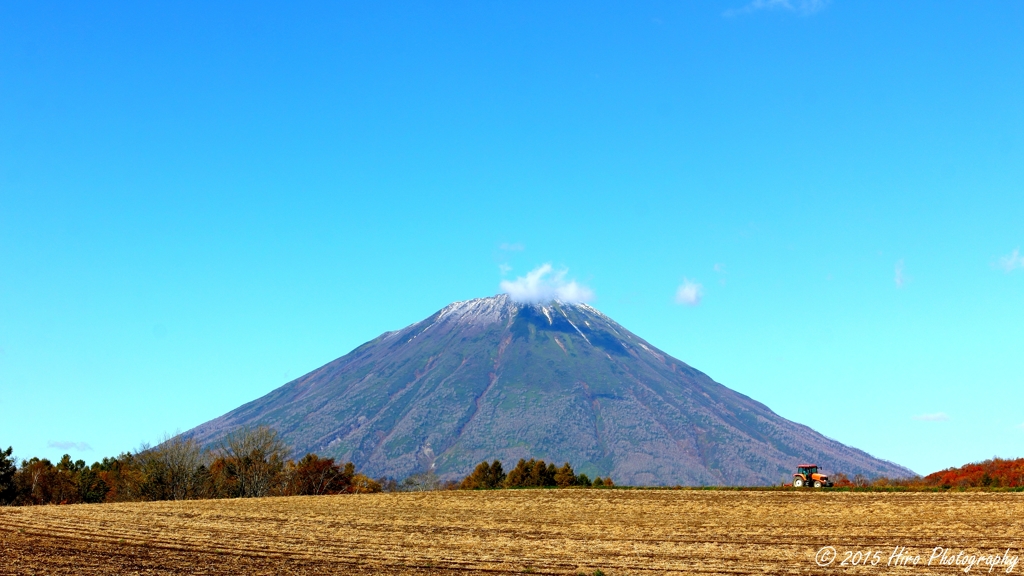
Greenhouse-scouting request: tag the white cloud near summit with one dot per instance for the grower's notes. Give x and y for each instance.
(802, 7)
(936, 417)
(689, 293)
(899, 278)
(544, 284)
(1011, 262)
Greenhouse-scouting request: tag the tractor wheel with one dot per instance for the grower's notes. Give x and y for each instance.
(797, 483)
(817, 484)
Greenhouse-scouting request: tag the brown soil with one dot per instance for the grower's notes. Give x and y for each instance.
(506, 532)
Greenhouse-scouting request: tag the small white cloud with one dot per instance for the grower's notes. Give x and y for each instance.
(899, 279)
(1011, 262)
(505, 268)
(542, 285)
(801, 7)
(67, 445)
(720, 269)
(511, 246)
(936, 417)
(689, 293)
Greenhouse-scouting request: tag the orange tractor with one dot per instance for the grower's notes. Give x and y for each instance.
(807, 475)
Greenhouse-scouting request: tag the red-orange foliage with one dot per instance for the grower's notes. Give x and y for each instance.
(314, 476)
(840, 480)
(995, 473)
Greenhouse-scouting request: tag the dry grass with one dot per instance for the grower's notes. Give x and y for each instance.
(540, 531)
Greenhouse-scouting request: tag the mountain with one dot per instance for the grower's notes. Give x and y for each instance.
(492, 378)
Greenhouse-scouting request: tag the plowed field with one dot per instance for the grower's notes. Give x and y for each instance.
(540, 531)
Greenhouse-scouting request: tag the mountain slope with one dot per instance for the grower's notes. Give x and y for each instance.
(492, 378)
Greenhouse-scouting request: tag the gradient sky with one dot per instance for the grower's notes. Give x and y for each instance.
(818, 204)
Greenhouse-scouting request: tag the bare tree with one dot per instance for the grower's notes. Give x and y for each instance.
(174, 469)
(256, 458)
(184, 461)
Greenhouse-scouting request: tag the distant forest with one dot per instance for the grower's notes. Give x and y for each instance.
(996, 473)
(250, 463)
(253, 462)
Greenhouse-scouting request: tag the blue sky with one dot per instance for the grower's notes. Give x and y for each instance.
(201, 202)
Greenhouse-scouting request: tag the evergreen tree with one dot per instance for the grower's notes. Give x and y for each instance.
(478, 478)
(484, 476)
(537, 473)
(564, 476)
(495, 475)
(91, 487)
(7, 471)
(519, 477)
(65, 488)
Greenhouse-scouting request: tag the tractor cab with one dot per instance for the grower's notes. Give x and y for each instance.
(808, 475)
(807, 471)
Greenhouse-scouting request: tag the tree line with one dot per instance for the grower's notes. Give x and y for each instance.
(996, 473)
(249, 463)
(253, 462)
(528, 474)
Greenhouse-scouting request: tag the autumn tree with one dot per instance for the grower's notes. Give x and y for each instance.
(65, 487)
(840, 480)
(531, 473)
(476, 479)
(542, 474)
(517, 477)
(223, 482)
(484, 476)
(313, 476)
(363, 485)
(496, 475)
(34, 482)
(123, 476)
(564, 476)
